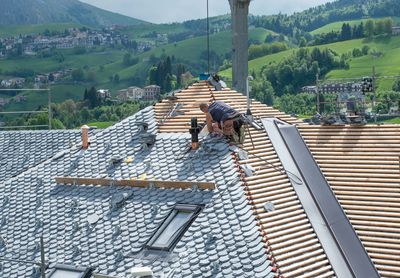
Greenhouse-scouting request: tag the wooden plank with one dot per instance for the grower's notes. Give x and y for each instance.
(135, 183)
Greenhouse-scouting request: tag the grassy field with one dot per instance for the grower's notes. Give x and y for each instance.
(59, 93)
(386, 65)
(393, 121)
(139, 31)
(7, 31)
(44, 65)
(101, 125)
(337, 26)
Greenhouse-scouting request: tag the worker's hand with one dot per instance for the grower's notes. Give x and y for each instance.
(216, 129)
(209, 122)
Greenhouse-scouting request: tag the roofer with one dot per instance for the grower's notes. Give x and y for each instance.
(223, 119)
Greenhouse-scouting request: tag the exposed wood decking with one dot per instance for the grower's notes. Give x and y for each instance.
(361, 163)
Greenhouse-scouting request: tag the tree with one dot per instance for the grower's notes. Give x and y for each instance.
(153, 75)
(91, 76)
(77, 74)
(396, 85)
(369, 28)
(387, 26)
(180, 69)
(379, 27)
(168, 83)
(92, 97)
(357, 52)
(269, 38)
(302, 42)
(116, 78)
(365, 50)
(358, 31)
(85, 95)
(346, 32)
(126, 59)
(262, 91)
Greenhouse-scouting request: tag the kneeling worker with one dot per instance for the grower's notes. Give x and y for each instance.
(223, 119)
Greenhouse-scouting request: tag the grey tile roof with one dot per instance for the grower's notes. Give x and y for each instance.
(106, 227)
(20, 150)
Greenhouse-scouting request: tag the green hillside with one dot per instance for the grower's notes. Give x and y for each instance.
(25, 12)
(387, 64)
(337, 26)
(139, 31)
(15, 30)
(44, 65)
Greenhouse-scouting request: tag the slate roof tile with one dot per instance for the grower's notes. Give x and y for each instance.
(21, 150)
(81, 226)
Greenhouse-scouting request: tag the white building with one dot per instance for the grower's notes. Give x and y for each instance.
(135, 93)
(396, 30)
(132, 93)
(103, 94)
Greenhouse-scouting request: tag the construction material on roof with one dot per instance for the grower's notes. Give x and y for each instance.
(338, 238)
(85, 137)
(135, 183)
(143, 271)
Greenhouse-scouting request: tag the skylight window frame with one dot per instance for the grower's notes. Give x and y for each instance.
(194, 209)
(85, 272)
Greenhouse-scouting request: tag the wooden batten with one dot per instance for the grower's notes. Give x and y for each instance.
(136, 183)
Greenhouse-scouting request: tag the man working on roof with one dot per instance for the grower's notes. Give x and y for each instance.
(223, 119)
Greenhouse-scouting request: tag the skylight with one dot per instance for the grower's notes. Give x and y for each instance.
(66, 271)
(173, 227)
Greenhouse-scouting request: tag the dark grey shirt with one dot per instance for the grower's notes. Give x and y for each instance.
(220, 111)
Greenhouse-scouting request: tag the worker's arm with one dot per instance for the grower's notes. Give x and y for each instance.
(209, 122)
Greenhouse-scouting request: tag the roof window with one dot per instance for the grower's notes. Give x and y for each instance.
(173, 227)
(66, 271)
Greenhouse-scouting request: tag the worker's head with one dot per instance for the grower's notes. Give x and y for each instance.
(203, 107)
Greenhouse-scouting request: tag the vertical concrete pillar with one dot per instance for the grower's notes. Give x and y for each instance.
(240, 70)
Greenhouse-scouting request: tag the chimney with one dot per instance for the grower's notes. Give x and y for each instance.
(194, 130)
(85, 137)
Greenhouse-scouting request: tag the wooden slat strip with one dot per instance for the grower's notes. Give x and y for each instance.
(134, 183)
